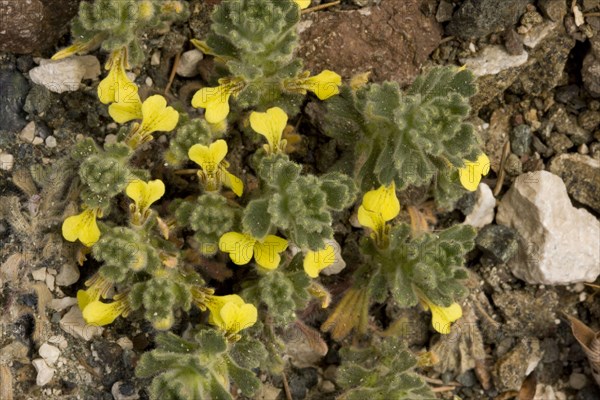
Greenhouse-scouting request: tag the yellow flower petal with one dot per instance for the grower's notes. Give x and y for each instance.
(83, 227)
(216, 102)
(267, 253)
(156, 116)
(100, 314)
(232, 182)
(470, 175)
(117, 87)
(235, 317)
(370, 219)
(215, 303)
(270, 124)
(85, 297)
(443, 317)
(383, 201)
(324, 85)
(303, 3)
(316, 261)
(123, 112)
(239, 246)
(144, 194)
(209, 157)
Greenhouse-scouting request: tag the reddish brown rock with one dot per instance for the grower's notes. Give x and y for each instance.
(30, 26)
(392, 40)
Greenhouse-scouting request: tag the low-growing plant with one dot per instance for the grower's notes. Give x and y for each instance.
(275, 215)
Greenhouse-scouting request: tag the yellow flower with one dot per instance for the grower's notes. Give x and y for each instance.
(316, 261)
(99, 314)
(230, 313)
(117, 87)
(82, 226)
(271, 124)
(378, 207)
(442, 317)
(242, 247)
(97, 287)
(324, 85)
(144, 194)
(153, 112)
(216, 99)
(214, 171)
(470, 175)
(303, 3)
(78, 48)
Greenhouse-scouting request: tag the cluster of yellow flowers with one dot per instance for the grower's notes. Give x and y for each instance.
(229, 313)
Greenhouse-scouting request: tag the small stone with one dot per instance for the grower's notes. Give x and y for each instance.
(68, 275)
(65, 75)
(583, 149)
(49, 353)
(483, 210)
(149, 82)
(493, 60)
(478, 18)
(74, 324)
(520, 139)
(589, 120)
(327, 387)
(51, 142)
(539, 209)
(14, 92)
(267, 392)
(514, 166)
(37, 141)
(61, 304)
(577, 381)
(510, 370)
(28, 133)
(553, 9)
(581, 176)
(50, 279)
(30, 26)
(560, 143)
(189, 62)
(58, 340)
(497, 242)
(444, 11)
(124, 391)
(513, 42)
(125, 343)
(155, 59)
(39, 274)
(44, 372)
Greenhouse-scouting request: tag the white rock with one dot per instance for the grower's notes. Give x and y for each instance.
(61, 304)
(44, 372)
(74, 324)
(483, 211)
(339, 264)
(188, 64)
(65, 75)
(125, 343)
(59, 340)
(50, 279)
(28, 133)
(494, 59)
(538, 33)
(559, 243)
(68, 275)
(39, 274)
(155, 59)
(49, 353)
(37, 141)
(51, 142)
(7, 161)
